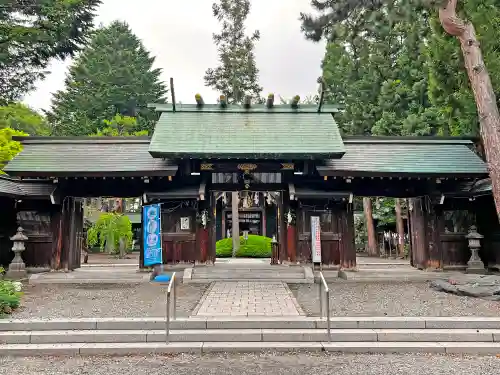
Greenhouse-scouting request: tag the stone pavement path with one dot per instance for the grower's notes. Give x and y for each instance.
(248, 298)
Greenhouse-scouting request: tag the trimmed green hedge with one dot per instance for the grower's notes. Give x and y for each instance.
(254, 247)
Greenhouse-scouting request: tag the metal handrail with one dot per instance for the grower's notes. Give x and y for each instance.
(169, 292)
(324, 285)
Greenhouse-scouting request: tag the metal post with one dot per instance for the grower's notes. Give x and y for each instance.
(320, 299)
(328, 315)
(175, 297)
(167, 325)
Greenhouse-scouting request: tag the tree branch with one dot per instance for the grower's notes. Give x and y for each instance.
(451, 23)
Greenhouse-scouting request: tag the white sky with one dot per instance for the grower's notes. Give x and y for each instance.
(179, 34)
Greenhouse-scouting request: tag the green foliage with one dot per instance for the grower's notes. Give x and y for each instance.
(120, 126)
(10, 296)
(108, 230)
(20, 117)
(237, 76)
(254, 247)
(361, 234)
(32, 32)
(383, 211)
(113, 75)
(8, 147)
(394, 68)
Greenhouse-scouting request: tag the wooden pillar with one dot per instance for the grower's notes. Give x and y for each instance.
(420, 254)
(281, 227)
(291, 234)
(141, 240)
(213, 235)
(347, 246)
(433, 220)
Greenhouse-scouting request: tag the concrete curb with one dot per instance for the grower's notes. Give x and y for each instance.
(265, 322)
(38, 279)
(249, 335)
(73, 349)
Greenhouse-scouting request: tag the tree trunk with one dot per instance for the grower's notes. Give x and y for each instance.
(489, 117)
(235, 222)
(370, 227)
(400, 227)
(122, 248)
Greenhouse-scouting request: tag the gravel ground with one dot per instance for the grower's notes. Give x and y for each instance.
(104, 300)
(396, 299)
(290, 364)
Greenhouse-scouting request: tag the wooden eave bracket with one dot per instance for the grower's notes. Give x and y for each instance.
(291, 190)
(201, 191)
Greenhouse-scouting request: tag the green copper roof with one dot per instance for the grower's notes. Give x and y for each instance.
(246, 135)
(87, 156)
(393, 156)
(255, 108)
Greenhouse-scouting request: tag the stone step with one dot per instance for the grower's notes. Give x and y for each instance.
(247, 272)
(228, 322)
(250, 335)
(263, 280)
(123, 349)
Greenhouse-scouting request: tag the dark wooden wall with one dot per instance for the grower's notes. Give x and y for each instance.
(337, 233)
(488, 225)
(438, 232)
(8, 228)
(41, 221)
(179, 246)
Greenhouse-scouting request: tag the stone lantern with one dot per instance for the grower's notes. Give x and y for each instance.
(17, 268)
(474, 265)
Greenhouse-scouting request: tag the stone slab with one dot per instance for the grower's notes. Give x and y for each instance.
(102, 336)
(216, 335)
(242, 347)
(318, 335)
(147, 323)
(140, 348)
(384, 347)
(261, 323)
(40, 350)
(458, 322)
(472, 348)
(392, 322)
(45, 325)
(15, 337)
(435, 335)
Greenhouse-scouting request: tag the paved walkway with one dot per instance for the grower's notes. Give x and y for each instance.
(248, 298)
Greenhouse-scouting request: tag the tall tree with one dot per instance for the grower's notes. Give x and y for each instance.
(32, 32)
(113, 75)
(237, 74)
(372, 247)
(20, 117)
(338, 12)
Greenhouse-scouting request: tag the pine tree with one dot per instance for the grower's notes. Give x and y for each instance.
(237, 74)
(113, 75)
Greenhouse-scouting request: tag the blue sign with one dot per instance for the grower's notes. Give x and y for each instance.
(151, 222)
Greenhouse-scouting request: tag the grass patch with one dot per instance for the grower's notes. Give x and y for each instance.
(10, 295)
(254, 247)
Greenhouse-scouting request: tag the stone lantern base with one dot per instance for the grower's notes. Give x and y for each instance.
(19, 273)
(475, 265)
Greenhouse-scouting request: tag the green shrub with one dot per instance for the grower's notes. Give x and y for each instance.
(254, 247)
(10, 296)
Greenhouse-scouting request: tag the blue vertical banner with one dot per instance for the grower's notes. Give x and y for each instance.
(151, 221)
